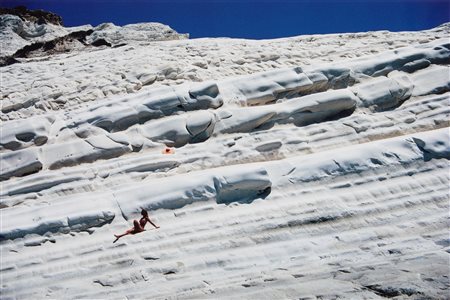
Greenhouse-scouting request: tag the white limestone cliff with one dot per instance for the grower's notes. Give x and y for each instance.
(305, 167)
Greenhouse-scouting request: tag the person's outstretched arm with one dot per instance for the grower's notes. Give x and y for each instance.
(148, 219)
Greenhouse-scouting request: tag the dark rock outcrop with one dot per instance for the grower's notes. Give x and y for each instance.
(37, 16)
(73, 40)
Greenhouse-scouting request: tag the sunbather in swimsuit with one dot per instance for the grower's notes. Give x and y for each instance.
(138, 226)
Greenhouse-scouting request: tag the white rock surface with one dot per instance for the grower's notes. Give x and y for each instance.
(133, 33)
(16, 33)
(311, 167)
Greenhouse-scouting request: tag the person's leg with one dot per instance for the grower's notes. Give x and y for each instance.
(118, 236)
(137, 226)
(129, 231)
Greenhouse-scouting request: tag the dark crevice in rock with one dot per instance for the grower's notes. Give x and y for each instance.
(169, 273)
(151, 258)
(101, 42)
(430, 152)
(391, 292)
(6, 61)
(57, 45)
(64, 44)
(105, 284)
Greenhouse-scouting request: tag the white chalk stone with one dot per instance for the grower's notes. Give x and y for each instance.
(433, 80)
(296, 163)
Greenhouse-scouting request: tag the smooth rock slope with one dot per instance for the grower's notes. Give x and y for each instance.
(311, 167)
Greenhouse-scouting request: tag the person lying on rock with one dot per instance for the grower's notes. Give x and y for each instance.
(138, 225)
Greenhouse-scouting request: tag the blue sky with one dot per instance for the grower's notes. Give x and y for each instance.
(256, 19)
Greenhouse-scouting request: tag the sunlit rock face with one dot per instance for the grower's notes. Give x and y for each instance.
(303, 167)
(35, 33)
